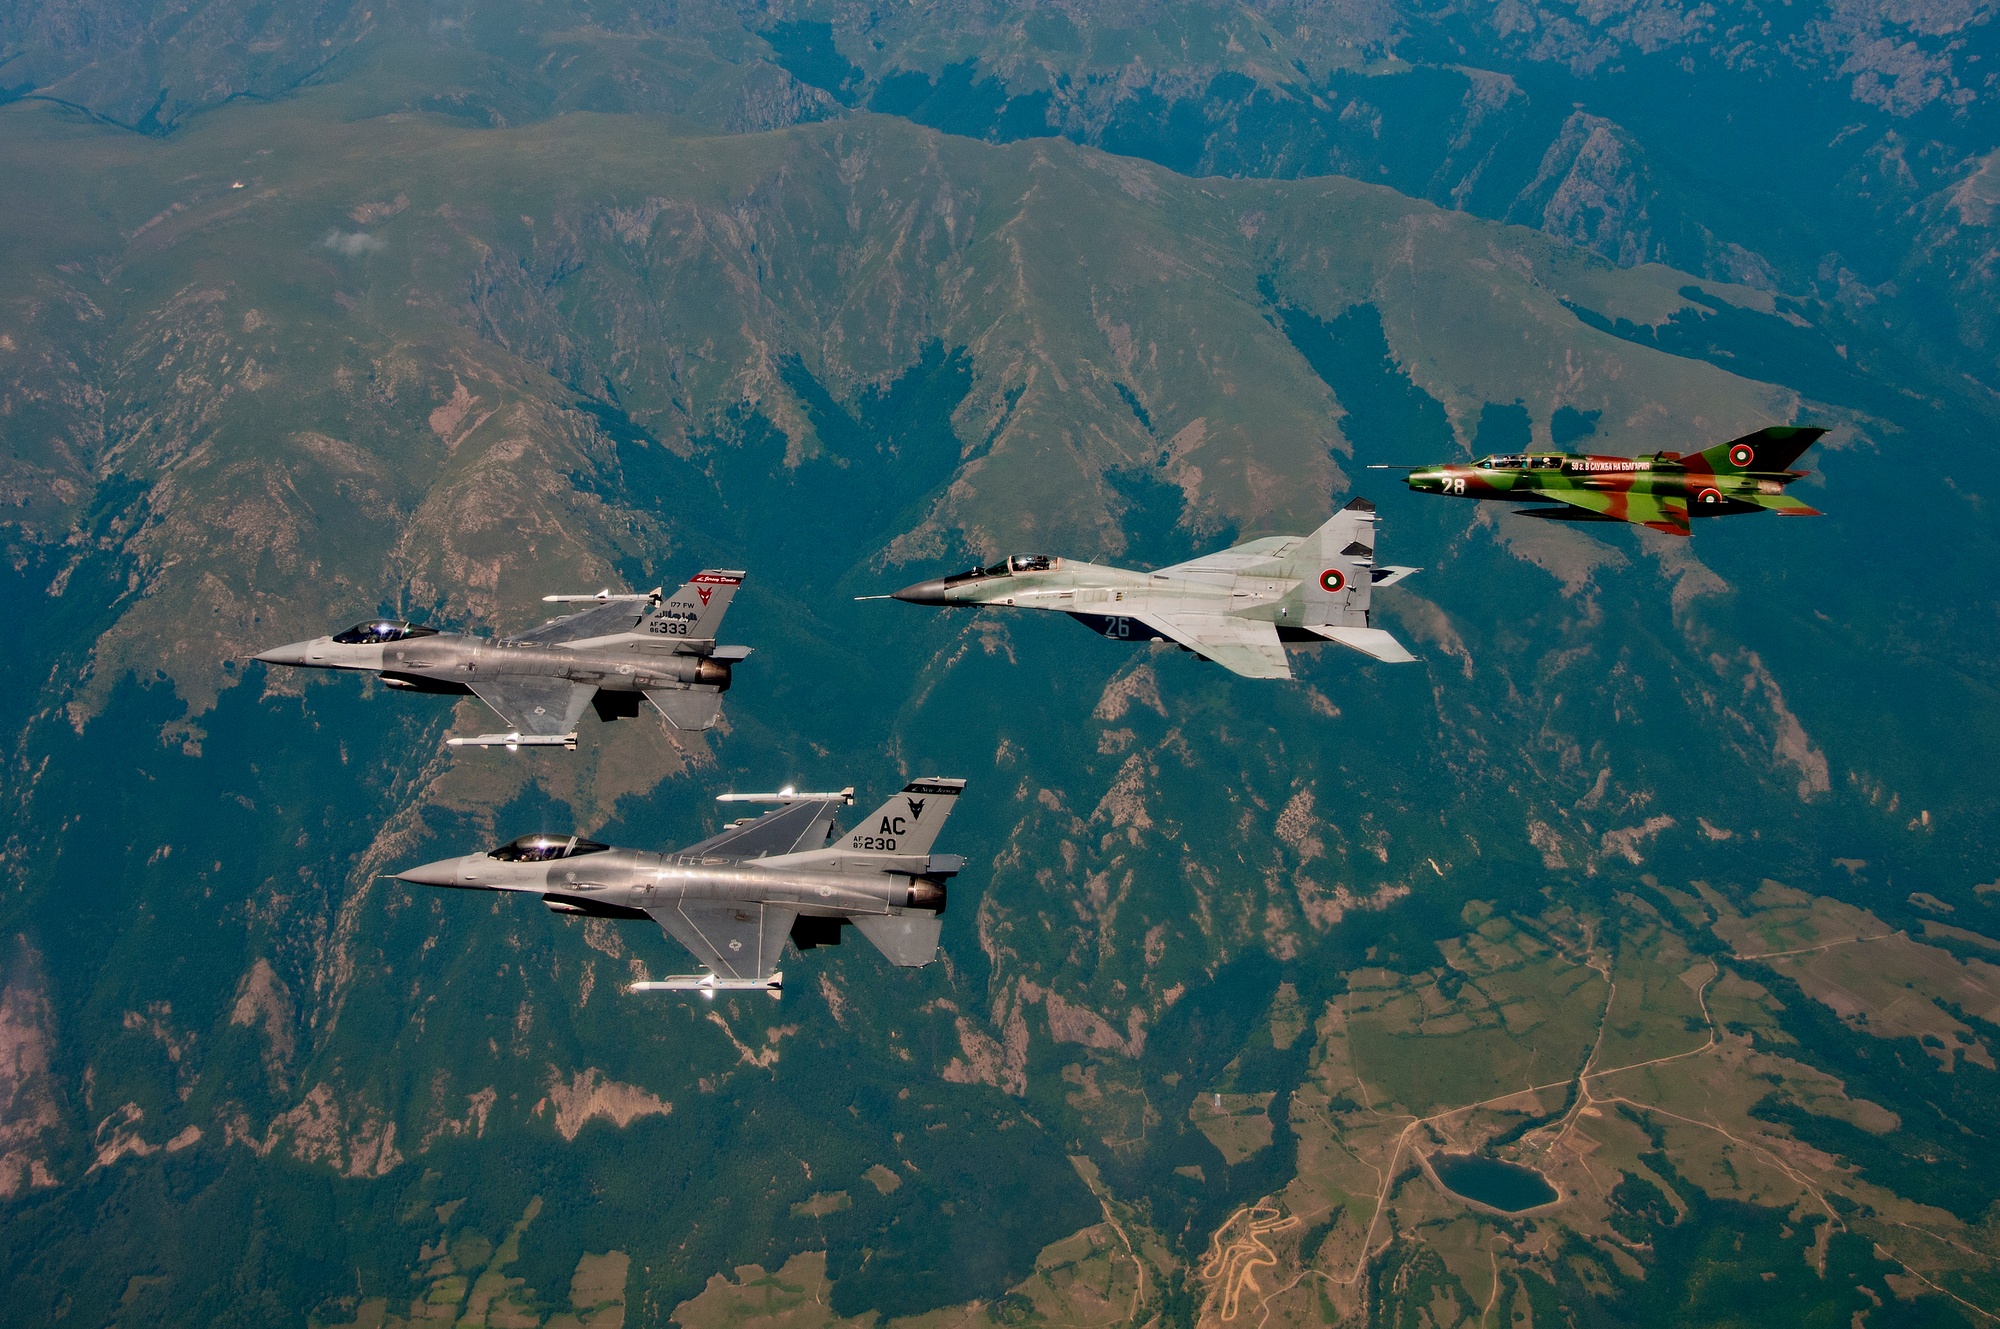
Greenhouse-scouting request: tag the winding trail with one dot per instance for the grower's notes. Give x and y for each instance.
(1235, 1263)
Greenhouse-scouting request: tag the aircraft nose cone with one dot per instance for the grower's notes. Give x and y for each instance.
(1424, 480)
(444, 872)
(924, 593)
(293, 654)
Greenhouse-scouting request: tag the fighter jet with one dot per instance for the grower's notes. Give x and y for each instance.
(735, 897)
(1662, 490)
(608, 656)
(1237, 607)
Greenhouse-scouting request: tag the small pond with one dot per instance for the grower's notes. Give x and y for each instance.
(1508, 1187)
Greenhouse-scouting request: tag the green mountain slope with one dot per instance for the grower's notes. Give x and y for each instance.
(300, 362)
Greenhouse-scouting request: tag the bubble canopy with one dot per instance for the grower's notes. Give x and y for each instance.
(378, 630)
(544, 848)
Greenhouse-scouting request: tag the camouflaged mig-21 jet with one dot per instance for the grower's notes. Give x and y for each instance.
(1663, 490)
(620, 650)
(1237, 607)
(736, 897)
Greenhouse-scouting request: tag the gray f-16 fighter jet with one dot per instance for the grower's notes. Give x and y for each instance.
(1237, 607)
(735, 897)
(609, 656)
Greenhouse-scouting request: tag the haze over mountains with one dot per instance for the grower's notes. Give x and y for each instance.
(311, 313)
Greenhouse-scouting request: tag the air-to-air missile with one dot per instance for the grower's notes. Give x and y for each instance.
(1662, 490)
(1236, 607)
(620, 650)
(734, 898)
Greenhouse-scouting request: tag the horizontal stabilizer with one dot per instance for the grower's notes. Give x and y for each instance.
(515, 740)
(693, 708)
(1368, 641)
(1389, 576)
(909, 940)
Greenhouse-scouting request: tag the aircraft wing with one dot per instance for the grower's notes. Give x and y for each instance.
(546, 706)
(616, 616)
(1668, 514)
(789, 829)
(1237, 557)
(735, 940)
(1242, 645)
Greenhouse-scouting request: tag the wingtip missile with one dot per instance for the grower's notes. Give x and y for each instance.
(515, 741)
(789, 795)
(710, 984)
(602, 597)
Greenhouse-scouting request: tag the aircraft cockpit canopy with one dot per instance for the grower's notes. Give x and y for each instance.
(1550, 462)
(1006, 567)
(379, 630)
(544, 848)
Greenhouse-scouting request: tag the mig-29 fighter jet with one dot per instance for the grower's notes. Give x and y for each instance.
(609, 656)
(1236, 607)
(734, 898)
(1662, 490)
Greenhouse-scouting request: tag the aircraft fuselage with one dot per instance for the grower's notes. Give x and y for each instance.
(451, 662)
(1539, 475)
(626, 883)
(1114, 602)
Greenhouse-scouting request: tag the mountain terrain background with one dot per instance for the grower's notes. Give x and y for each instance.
(322, 310)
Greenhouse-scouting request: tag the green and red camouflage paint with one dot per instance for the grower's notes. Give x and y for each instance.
(1663, 490)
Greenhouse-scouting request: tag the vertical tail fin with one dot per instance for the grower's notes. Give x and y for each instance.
(908, 823)
(1767, 450)
(1335, 567)
(1336, 572)
(695, 611)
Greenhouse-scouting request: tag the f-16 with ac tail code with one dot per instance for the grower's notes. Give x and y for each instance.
(621, 650)
(736, 897)
(1237, 607)
(1663, 490)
